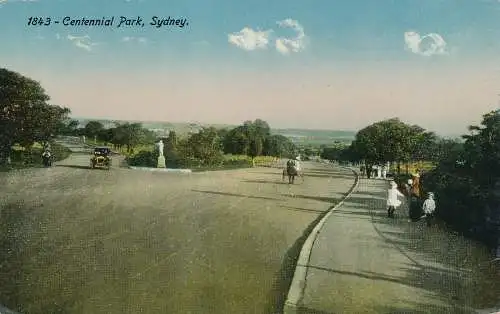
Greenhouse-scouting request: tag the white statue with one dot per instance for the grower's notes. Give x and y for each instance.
(160, 147)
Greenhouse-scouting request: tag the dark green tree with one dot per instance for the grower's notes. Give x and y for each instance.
(25, 114)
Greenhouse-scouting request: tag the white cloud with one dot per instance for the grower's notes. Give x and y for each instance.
(142, 40)
(82, 42)
(420, 45)
(58, 36)
(249, 39)
(287, 45)
(5, 1)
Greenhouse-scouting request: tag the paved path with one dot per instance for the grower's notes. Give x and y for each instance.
(75, 240)
(363, 262)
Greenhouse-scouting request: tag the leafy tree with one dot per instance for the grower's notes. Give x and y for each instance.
(25, 114)
(130, 135)
(171, 151)
(331, 153)
(253, 138)
(256, 146)
(205, 146)
(278, 146)
(467, 181)
(237, 141)
(93, 129)
(261, 128)
(171, 141)
(68, 127)
(107, 135)
(389, 140)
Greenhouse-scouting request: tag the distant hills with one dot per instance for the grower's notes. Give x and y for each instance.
(299, 136)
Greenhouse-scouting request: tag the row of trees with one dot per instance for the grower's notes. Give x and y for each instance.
(466, 179)
(391, 141)
(255, 139)
(127, 135)
(206, 147)
(26, 116)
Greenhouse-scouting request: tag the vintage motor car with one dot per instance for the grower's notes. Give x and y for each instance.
(101, 158)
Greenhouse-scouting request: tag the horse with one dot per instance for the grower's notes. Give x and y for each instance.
(292, 173)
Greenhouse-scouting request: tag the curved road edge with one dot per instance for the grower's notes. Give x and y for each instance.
(296, 290)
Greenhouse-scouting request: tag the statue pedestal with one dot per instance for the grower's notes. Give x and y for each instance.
(161, 162)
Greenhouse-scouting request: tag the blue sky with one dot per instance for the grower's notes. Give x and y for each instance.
(278, 52)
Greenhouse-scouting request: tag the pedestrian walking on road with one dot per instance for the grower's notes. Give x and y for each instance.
(408, 186)
(429, 207)
(392, 199)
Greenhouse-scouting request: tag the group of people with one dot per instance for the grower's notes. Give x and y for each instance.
(375, 171)
(412, 189)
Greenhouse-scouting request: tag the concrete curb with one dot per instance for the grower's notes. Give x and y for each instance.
(161, 169)
(296, 291)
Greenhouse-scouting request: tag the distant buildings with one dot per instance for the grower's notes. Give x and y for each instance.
(160, 132)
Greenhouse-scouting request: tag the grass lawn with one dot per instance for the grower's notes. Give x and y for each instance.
(413, 166)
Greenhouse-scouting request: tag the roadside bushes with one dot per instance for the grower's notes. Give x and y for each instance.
(21, 157)
(143, 158)
(466, 183)
(464, 205)
(174, 159)
(265, 161)
(237, 161)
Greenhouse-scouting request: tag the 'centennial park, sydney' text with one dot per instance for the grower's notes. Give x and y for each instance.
(124, 21)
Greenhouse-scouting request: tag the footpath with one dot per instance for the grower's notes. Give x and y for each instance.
(363, 262)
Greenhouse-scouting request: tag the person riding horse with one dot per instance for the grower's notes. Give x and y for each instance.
(292, 170)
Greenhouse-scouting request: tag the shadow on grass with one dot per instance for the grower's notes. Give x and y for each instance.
(238, 195)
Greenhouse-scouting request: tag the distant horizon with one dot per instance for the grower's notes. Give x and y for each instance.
(236, 124)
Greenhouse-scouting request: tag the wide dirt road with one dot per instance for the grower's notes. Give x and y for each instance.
(75, 240)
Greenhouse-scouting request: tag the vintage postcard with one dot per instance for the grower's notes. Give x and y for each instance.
(258, 157)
